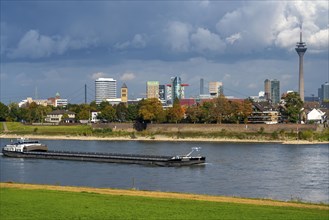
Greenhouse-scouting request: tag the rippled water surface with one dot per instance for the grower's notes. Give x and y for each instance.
(274, 171)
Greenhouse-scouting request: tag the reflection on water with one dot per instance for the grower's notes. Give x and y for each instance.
(274, 171)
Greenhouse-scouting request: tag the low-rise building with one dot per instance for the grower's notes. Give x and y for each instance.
(316, 115)
(265, 117)
(59, 116)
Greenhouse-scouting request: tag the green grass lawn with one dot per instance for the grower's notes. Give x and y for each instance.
(44, 204)
(19, 128)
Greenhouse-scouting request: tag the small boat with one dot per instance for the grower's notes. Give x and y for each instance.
(25, 148)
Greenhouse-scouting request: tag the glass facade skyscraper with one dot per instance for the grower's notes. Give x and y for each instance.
(272, 90)
(105, 88)
(275, 91)
(176, 88)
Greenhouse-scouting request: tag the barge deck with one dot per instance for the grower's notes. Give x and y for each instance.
(23, 150)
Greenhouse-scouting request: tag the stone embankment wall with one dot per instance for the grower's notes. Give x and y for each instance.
(206, 128)
(129, 127)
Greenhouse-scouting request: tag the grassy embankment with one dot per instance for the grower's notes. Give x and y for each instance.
(49, 204)
(87, 130)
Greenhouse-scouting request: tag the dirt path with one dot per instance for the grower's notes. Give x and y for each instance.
(155, 194)
(5, 129)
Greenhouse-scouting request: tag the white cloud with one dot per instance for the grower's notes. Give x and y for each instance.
(35, 45)
(233, 38)
(178, 34)
(266, 24)
(127, 76)
(319, 40)
(138, 42)
(183, 37)
(97, 75)
(203, 40)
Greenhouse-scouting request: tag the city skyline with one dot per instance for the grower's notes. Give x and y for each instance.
(237, 43)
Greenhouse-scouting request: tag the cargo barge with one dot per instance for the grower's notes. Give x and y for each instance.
(25, 148)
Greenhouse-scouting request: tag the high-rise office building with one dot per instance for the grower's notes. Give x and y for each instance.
(275, 91)
(216, 89)
(201, 86)
(323, 92)
(176, 88)
(301, 49)
(105, 88)
(272, 90)
(162, 93)
(267, 89)
(152, 89)
(169, 94)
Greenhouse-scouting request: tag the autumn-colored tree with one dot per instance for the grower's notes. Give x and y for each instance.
(194, 114)
(151, 110)
(176, 113)
(246, 110)
(221, 109)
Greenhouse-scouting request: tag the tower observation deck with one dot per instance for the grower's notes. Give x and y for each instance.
(301, 49)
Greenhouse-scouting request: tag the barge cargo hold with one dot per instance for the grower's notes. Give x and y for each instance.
(22, 149)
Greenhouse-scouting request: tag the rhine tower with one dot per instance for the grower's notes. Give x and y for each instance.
(301, 49)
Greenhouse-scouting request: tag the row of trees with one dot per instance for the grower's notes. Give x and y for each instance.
(220, 110)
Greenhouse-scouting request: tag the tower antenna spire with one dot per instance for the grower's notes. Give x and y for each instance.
(301, 33)
(301, 49)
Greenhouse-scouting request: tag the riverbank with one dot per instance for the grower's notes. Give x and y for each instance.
(157, 138)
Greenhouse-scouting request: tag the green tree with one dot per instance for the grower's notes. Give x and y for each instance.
(83, 114)
(107, 114)
(176, 113)
(151, 110)
(292, 107)
(65, 116)
(121, 112)
(132, 112)
(103, 105)
(206, 112)
(4, 112)
(93, 106)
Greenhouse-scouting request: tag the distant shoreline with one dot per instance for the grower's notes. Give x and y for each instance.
(159, 138)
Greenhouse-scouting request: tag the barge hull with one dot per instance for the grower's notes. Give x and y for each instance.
(108, 158)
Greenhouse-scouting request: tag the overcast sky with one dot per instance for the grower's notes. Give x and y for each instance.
(59, 46)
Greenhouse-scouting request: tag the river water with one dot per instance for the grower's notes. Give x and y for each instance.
(276, 171)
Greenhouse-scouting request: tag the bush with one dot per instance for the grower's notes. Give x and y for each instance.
(275, 135)
(261, 130)
(306, 135)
